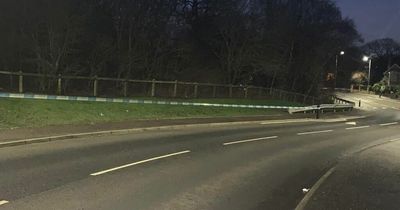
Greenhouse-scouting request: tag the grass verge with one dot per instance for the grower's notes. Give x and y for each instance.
(40, 113)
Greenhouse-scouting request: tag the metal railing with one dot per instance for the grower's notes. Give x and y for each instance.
(20, 82)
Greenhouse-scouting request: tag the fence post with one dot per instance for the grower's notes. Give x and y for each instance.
(246, 92)
(59, 84)
(95, 86)
(259, 92)
(304, 99)
(175, 94)
(214, 91)
(153, 88)
(230, 91)
(21, 83)
(125, 88)
(280, 94)
(196, 88)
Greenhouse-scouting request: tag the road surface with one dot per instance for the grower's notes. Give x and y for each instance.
(340, 164)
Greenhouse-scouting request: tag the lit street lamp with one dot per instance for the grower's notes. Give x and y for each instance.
(368, 59)
(337, 67)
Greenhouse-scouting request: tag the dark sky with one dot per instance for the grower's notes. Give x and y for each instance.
(374, 18)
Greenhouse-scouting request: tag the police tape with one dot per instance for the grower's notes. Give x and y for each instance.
(135, 101)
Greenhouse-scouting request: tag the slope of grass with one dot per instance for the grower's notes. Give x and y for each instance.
(39, 113)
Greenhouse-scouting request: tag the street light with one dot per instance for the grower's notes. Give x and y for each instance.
(368, 59)
(337, 66)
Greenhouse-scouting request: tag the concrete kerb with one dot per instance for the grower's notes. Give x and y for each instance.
(172, 127)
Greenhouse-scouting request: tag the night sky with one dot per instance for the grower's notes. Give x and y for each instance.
(375, 19)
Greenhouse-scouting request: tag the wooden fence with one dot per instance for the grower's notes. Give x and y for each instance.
(112, 87)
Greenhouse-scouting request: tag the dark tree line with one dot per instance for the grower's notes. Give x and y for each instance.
(385, 52)
(278, 43)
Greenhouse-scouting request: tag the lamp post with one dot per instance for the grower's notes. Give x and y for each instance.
(337, 67)
(368, 59)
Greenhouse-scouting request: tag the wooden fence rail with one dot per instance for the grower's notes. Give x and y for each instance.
(61, 84)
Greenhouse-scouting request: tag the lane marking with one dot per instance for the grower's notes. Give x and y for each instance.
(355, 128)
(139, 162)
(313, 189)
(250, 140)
(388, 124)
(314, 132)
(2, 202)
(351, 123)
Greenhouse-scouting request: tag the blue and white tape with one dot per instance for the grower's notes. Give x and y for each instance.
(135, 101)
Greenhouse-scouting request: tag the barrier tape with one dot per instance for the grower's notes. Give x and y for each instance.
(135, 101)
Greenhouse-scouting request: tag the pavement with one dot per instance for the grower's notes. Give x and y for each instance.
(342, 164)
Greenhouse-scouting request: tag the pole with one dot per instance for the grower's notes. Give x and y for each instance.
(20, 82)
(369, 74)
(153, 88)
(175, 89)
(95, 84)
(59, 85)
(336, 71)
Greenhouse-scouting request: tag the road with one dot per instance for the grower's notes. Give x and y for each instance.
(339, 164)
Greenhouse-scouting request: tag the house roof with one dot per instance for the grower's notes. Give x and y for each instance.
(393, 68)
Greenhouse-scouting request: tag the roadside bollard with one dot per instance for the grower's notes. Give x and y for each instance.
(359, 103)
(318, 112)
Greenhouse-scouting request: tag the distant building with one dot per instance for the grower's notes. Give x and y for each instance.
(392, 75)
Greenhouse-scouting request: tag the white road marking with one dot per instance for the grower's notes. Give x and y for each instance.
(250, 140)
(361, 127)
(313, 189)
(388, 124)
(384, 108)
(139, 162)
(351, 123)
(2, 202)
(314, 132)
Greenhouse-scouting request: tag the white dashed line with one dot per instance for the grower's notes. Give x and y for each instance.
(250, 140)
(388, 124)
(355, 128)
(314, 132)
(139, 162)
(2, 202)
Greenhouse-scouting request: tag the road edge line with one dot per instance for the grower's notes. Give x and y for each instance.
(2, 202)
(314, 132)
(139, 162)
(249, 140)
(303, 203)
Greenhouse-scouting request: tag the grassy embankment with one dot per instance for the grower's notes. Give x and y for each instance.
(39, 113)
